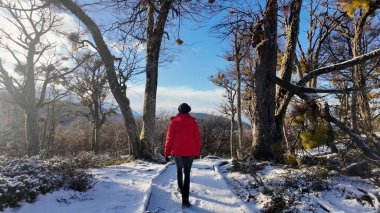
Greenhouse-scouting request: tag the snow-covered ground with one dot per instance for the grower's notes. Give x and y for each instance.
(302, 193)
(208, 192)
(146, 187)
(123, 188)
(139, 187)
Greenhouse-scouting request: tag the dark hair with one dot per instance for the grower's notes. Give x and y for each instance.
(184, 108)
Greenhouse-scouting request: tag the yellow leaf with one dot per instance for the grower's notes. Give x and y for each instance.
(299, 118)
(351, 5)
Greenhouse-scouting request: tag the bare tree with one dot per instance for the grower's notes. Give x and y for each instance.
(154, 34)
(36, 64)
(268, 123)
(227, 81)
(360, 98)
(215, 134)
(90, 84)
(136, 148)
(265, 44)
(148, 18)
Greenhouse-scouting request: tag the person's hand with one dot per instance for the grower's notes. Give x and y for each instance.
(167, 159)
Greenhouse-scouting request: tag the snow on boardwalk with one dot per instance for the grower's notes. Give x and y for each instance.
(208, 192)
(118, 189)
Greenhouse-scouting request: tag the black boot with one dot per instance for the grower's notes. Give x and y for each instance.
(179, 190)
(186, 203)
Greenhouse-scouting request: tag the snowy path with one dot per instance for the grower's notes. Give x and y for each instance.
(208, 192)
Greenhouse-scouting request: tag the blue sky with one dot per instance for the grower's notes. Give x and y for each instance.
(200, 56)
(197, 59)
(186, 78)
(194, 62)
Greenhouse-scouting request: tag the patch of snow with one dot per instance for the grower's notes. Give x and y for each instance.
(342, 193)
(119, 188)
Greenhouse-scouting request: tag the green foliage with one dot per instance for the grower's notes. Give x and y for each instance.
(315, 138)
(291, 160)
(298, 121)
(304, 67)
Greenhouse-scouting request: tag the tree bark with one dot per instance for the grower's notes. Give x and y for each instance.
(287, 65)
(31, 130)
(155, 32)
(232, 138)
(359, 98)
(237, 47)
(96, 126)
(265, 147)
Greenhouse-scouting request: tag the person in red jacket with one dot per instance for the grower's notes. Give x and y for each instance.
(183, 141)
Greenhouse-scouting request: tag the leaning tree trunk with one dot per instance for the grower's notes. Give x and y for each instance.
(116, 89)
(155, 32)
(265, 147)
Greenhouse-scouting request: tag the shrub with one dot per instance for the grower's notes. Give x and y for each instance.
(25, 179)
(291, 160)
(85, 160)
(315, 138)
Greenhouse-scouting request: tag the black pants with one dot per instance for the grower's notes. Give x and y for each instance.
(184, 167)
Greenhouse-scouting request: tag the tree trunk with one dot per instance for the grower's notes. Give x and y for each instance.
(52, 127)
(287, 66)
(360, 98)
(97, 119)
(30, 107)
(238, 108)
(155, 32)
(117, 91)
(96, 139)
(265, 147)
(232, 139)
(96, 136)
(31, 131)
(44, 137)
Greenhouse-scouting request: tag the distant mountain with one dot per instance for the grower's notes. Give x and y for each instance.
(67, 111)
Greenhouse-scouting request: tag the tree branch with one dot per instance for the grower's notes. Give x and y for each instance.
(339, 66)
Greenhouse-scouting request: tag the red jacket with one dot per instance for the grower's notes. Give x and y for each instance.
(183, 138)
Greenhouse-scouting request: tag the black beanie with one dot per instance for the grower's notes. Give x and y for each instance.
(184, 108)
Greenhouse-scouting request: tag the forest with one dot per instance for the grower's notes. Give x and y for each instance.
(301, 93)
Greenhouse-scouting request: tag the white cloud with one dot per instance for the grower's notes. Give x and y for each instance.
(168, 99)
